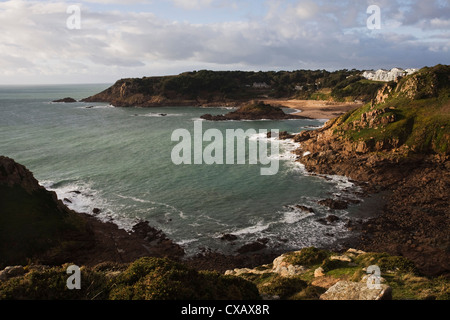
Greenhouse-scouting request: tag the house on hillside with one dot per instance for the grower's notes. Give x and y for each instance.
(260, 85)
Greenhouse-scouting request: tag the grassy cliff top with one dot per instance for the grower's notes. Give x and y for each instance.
(413, 114)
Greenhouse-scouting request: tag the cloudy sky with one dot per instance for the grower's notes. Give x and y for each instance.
(42, 42)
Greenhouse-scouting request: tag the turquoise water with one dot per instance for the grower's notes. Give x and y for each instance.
(119, 160)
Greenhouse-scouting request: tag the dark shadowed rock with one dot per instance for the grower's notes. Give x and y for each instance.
(228, 237)
(253, 111)
(66, 100)
(334, 204)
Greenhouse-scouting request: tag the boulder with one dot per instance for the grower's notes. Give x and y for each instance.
(348, 290)
(228, 237)
(319, 272)
(334, 204)
(286, 269)
(10, 272)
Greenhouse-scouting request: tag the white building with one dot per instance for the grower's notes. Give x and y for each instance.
(387, 75)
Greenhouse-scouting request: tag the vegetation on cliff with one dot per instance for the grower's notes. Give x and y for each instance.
(308, 274)
(398, 143)
(415, 113)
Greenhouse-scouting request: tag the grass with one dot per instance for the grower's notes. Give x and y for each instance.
(421, 125)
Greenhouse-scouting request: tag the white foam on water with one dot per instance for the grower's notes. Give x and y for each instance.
(180, 213)
(258, 227)
(81, 197)
(158, 115)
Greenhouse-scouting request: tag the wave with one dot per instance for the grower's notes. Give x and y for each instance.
(82, 197)
(109, 106)
(180, 213)
(158, 115)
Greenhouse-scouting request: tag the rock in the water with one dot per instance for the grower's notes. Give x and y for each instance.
(255, 110)
(334, 204)
(285, 268)
(348, 290)
(66, 100)
(228, 237)
(304, 208)
(253, 246)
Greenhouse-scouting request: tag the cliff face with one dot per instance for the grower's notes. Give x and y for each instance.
(401, 145)
(32, 220)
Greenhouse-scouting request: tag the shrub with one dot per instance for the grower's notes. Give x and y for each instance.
(307, 256)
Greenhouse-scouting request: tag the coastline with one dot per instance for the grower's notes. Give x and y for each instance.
(413, 222)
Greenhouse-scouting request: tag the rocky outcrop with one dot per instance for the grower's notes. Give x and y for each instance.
(348, 290)
(383, 150)
(253, 111)
(66, 100)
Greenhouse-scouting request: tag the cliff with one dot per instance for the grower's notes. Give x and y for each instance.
(36, 226)
(399, 143)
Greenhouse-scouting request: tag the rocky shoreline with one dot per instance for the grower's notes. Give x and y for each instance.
(414, 222)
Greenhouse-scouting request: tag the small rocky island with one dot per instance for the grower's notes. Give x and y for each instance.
(255, 110)
(66, 100)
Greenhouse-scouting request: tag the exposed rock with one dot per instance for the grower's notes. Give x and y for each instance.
(253, 246)
(279, 266)
(229, 237)
(66, 100)
(304, 208)
(334, 204)
(319, 272)
(347, 290)
(10, 272)
(283, 135)
(253, 111)
(344, 258)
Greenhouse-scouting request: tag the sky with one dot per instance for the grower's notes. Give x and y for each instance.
(101, 41)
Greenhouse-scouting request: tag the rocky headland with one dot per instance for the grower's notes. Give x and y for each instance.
(397, 146)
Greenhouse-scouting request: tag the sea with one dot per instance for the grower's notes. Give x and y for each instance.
(119, 160)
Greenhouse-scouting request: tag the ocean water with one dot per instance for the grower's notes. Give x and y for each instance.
(94, 155)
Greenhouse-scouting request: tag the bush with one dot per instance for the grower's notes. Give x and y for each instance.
(163, 279)
(283, 287)
(307, 256)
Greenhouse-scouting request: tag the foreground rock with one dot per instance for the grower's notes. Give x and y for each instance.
(314, 274)
(253, 111)
(348, 290)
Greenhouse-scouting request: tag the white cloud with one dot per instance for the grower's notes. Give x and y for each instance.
(36, 44)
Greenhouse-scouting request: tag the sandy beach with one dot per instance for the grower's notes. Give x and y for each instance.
(316, 109)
